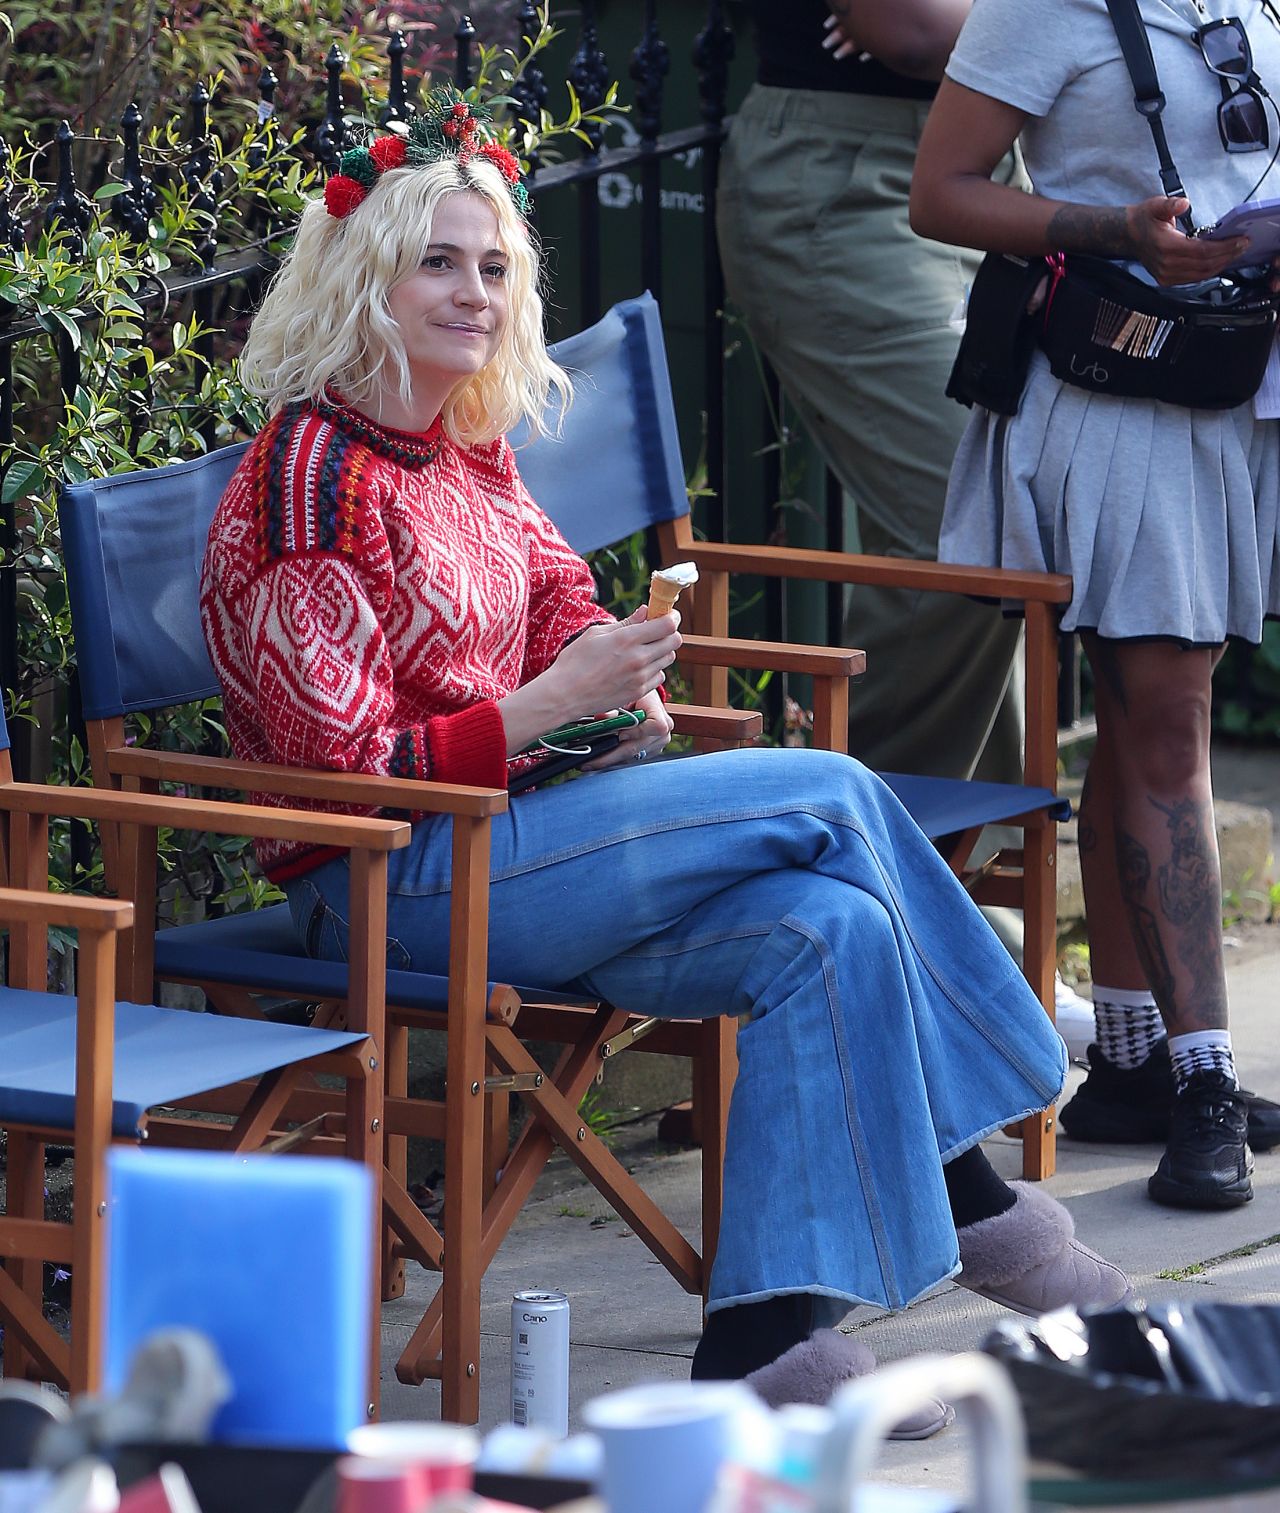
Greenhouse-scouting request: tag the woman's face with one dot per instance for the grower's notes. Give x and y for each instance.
(452, 311)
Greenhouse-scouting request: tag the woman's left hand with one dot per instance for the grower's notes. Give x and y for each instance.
(639, 743)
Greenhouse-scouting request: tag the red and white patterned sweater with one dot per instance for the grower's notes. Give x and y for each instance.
(367, 597)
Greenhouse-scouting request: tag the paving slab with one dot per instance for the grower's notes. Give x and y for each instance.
(631, 1322)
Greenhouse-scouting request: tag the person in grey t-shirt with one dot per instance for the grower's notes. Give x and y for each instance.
(1167, 519)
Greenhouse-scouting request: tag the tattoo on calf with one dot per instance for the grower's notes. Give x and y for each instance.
(1190, 891)
(1135, 873)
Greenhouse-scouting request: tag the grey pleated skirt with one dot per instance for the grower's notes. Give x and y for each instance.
(1167, 519)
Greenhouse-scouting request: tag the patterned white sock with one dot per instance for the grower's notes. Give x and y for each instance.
(1202, 1051)
(1129, 1024)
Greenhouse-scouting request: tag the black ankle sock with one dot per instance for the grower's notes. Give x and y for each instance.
(741, 1339)
(974, 1191)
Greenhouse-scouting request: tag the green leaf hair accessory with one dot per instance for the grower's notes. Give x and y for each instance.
(448, 125)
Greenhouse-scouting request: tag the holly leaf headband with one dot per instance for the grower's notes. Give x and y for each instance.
(450, 126)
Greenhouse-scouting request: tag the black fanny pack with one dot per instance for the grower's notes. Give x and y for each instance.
(1105, 330)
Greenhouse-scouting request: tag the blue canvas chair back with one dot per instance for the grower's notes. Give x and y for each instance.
(615, 467)
(134, 544)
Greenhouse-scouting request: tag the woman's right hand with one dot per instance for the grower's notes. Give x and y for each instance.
(606, 667)
(1167, 252)
(614, 666)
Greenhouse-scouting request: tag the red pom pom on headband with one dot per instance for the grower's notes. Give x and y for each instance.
(507, 164)
(388, 152)
(342, 195)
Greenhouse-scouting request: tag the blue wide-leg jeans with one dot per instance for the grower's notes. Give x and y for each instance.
(884, 1028)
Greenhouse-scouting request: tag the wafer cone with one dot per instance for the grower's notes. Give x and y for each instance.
(662, 596)
(666, 585)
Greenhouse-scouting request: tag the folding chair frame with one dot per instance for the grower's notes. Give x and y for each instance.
(27, 1239)
(481, 1035)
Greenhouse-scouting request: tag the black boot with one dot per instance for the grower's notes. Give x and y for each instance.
(1115, 1106)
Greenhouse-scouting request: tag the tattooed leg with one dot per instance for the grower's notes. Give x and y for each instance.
(1114, 958)
(1153, 766)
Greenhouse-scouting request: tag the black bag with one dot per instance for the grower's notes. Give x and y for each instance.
(999, 335)
(1110, 332)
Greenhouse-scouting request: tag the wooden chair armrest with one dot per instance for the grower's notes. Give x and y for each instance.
(771, 656)
(886, 572)
(718, 724)
(195, 814)
(305, 783)
(97, 916)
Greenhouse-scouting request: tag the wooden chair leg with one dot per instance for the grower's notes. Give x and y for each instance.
(363, 1100)
(25, 1200)
(95, 1052)
(572, 1075)
(464, 1122)
(366, 1112)
(397, 1157)
(715, 1068)
(1039, 881)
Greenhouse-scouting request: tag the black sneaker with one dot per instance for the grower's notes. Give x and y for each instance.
(1207, 1163)
(1113, 1106)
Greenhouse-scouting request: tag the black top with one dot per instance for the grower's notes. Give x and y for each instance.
(789, 37)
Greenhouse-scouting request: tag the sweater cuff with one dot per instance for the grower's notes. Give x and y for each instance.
(468, 747)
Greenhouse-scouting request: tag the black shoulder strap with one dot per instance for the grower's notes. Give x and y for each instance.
(1148, 100)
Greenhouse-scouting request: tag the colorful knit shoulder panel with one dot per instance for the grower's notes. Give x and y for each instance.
(306, 479)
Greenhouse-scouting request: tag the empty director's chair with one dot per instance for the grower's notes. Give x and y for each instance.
(95, 1069)
(134, 545)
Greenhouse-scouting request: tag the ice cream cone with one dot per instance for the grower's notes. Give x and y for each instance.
(666, 584)
(662, 597)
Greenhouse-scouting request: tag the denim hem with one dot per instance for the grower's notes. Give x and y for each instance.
(854, 1300)
(959, 1148)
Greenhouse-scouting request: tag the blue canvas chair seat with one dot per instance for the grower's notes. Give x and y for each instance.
(261, 950)
(162, 1056)
(950, 806)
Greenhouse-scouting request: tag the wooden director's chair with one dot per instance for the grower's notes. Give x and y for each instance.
(96, 1070)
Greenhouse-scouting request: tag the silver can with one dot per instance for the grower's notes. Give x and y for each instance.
(540, 1361)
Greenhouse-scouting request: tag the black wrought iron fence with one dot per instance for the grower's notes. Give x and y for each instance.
(220, 283)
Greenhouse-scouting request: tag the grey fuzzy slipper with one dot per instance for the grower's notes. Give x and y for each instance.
(1029, 1259)
(815, 1369)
